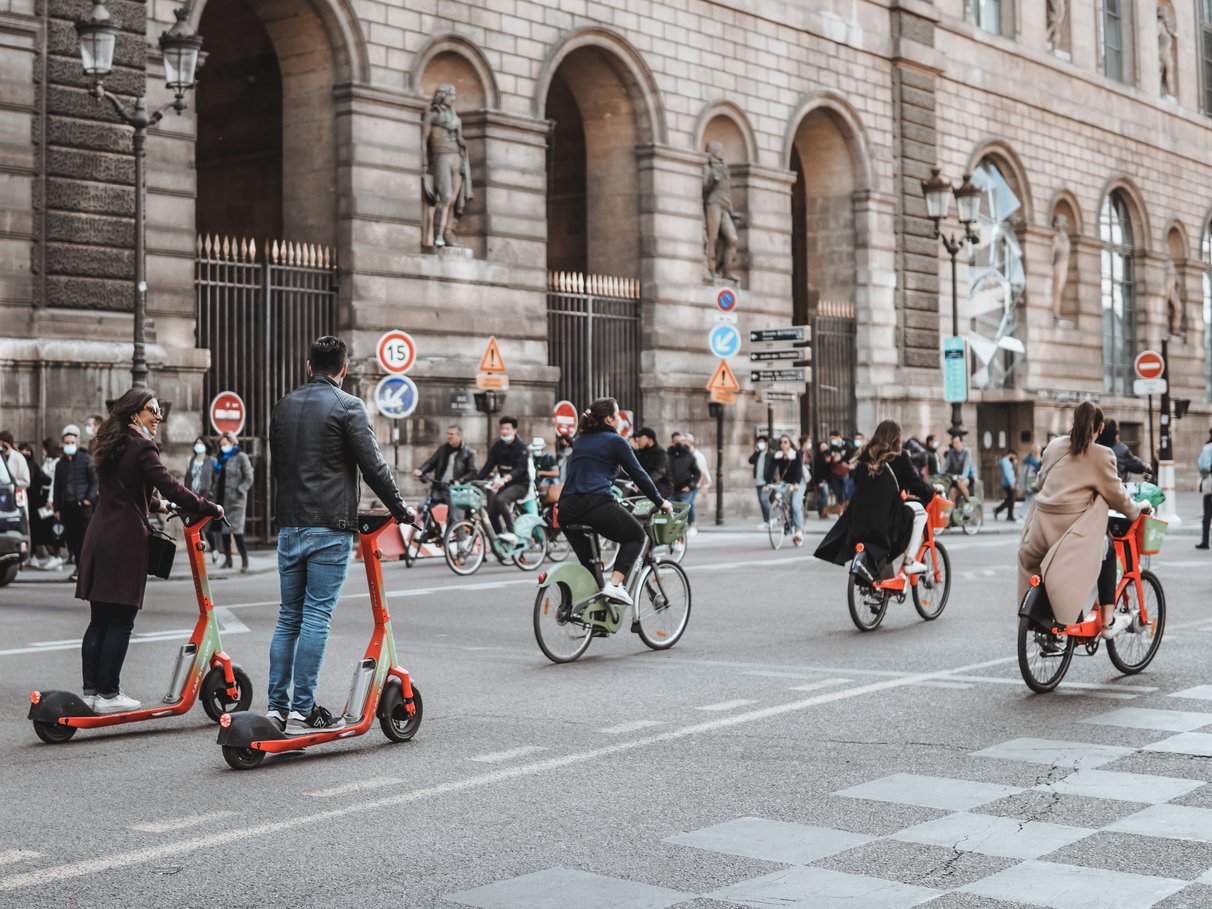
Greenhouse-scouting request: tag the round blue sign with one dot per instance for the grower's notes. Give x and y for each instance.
(725, 341)
(726, 299)
(396, 396)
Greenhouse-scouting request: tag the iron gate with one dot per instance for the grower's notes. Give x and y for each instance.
(593, 336)
(258, 319)
(833, 361)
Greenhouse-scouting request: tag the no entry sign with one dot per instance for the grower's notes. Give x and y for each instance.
(565, 418)
(626, 423)
(397, 351)
(1149, 364)
(227, 413)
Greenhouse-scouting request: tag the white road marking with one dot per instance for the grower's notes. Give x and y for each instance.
(181, 823)
(82, 867)
(381, 782)
(725, 705)
(497, 757)
(12, 856)
(1073, 691)
(634, 726)
(939, 683)
(1085, 686)
(228, 623)
(823, 683)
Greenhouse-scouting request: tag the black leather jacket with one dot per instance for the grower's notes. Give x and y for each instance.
(319, 438)
(464, 466)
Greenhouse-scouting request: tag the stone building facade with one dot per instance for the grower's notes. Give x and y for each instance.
(586, 124)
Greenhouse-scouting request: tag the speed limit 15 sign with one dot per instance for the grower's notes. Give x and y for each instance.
(397, 351)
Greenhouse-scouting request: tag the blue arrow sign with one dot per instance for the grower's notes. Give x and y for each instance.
(725, 341)
(396, 396)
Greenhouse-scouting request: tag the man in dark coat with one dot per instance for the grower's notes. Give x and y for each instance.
(684, 471)
(509, 460)
(654, 460)
(75, 494)
(453, 462)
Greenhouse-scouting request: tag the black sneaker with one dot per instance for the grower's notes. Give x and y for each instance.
(319, 720)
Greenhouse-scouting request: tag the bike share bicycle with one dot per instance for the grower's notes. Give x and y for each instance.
(870, 588)
(1045, 647)
(570, 610)
(467, 541)
(969, 514)
(781, 521)
(430, 527)
(381, 687)
(203, 671)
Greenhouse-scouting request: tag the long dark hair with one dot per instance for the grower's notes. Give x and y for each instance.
(1086, 421)
(594, 416)
(110, 441)
(883, 446)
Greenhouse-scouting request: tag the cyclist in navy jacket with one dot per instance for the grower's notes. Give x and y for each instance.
(596, 459)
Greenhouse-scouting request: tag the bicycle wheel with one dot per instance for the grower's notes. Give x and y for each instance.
(675, 551)
(1135, 648)
(557, 545)
(973, 519)
(778, 525)
(464, 547)
(1043, 658)
(867, 604)
(932, 589)
(662, 604)
(532, 556)
(560, 637)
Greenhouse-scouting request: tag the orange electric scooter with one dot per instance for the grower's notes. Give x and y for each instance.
(381, 688)
(203, 670)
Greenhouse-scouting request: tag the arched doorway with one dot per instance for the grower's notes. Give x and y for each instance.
(824, 265)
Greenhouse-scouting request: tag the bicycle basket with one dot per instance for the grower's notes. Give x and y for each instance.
(667, 529)
(464, 495)
(1152, 532)
(942, 512)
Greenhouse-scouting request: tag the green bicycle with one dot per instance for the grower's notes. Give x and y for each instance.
(466, 542)
(570, 611)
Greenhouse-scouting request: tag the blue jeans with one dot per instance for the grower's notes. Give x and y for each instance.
(764, 501)
(680, 496)
(312, 565)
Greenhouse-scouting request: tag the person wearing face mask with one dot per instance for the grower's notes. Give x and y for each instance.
(113, 558)
(786, 468)
(91, 426)
(233, 479)
(74, 493)
(509, 462)
(200, 478)
(758, 459)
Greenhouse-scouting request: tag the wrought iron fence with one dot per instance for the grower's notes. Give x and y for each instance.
(593, 336)
(833, 365)
(258, 317)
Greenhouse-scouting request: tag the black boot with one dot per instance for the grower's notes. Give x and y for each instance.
(243, 562)
(227, 560)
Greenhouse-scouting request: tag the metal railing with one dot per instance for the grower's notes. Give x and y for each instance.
(833, 369)
(593, 336)
(258, 317)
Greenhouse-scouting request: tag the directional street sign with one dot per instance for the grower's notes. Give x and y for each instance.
(778, 375)
(792, 333)
(396, 396)
(724, 341)
(726, 299)
(723, 379)
(1149, 365)
(397, 351)
(770, 396)
(1144, 387)
(767, 356)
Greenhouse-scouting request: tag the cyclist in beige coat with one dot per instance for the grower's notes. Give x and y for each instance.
(1065, 535)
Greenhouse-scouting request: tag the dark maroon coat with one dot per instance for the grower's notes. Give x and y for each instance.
(113, 559)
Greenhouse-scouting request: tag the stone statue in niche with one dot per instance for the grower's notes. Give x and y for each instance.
(721, 237)
(1061, 247)
(1057, 11)
(1176, 311)
(1167, 48)
(446, 184)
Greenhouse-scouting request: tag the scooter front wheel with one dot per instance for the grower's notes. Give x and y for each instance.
(395, 720)
(242, 758)
(213, 693)
(53, 733)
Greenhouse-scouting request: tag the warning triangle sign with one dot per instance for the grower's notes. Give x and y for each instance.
(492, 361)
(723, 379)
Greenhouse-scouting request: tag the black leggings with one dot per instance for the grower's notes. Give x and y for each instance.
(498, 506)
(1106, 576)
(103, 650)
(608, 518)
(239, 543)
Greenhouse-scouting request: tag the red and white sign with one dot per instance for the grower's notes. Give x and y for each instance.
(565, 418)
(1149, 364)
(227, 412)
(397, 351)
(626, 423)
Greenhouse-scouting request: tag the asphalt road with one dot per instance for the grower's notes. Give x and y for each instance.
(775, 756)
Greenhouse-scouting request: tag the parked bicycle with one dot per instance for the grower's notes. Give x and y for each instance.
(467, 541)
(868, 591)
(431, 528)
(1045, 647)
(781, 520)
(967, 512)
(570, 610)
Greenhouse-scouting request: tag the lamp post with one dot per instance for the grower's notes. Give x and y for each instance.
(938, 192)
(180, 46)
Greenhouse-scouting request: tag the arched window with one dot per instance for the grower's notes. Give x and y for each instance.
(1205, 256)
(1118, 294)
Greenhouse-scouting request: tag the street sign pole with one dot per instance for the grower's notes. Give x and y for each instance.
(1167, 511)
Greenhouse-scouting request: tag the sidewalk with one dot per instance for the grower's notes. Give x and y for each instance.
(259, 562)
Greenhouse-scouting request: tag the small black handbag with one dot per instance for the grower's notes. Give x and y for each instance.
(161, 548)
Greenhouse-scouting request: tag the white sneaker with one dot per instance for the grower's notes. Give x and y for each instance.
(915, 568)
(1121, 623)
(52, 563)
(119, 703)
(90, 701)
(616, 592)
(692, 532)
(798, 538)
(765, 525)
(509, 539)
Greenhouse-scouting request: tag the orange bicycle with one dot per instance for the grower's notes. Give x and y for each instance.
(1045, 647)
(868, 591)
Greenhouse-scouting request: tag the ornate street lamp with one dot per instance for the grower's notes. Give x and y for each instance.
(938, 192)
(180, 46)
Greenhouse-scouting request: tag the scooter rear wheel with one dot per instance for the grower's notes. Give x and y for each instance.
(214, 697)
(395, 720)
(53, 733)
(242, 758)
